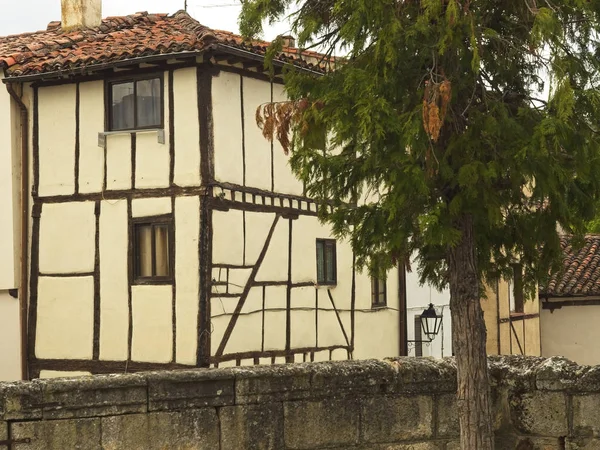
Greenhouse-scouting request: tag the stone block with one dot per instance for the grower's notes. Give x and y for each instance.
(252, 427)
(424, 375)
(411, 446)
(189, 430)
(94, 396)
(190, 389)
(272, 383)
(396, 419)
(72, 434)
(541, 413)
(21, 401)
(447, 417)
(320, 424)
(560, 374)
(582, 444)
(586, 415)
(351, 377)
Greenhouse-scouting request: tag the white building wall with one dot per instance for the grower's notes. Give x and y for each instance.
(418, 298)
(10, 342)
(572, 332)
(57, 139)
(187, 140)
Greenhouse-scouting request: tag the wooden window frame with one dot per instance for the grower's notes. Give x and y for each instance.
(152, 221)
(332, 244)
(375, 294)
(108, 99)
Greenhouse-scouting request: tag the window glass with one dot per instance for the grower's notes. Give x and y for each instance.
(161, 239)
(123, 96)
(152, 251)
(148, 103)
(330, 261)
(320, 261)
(144, 250)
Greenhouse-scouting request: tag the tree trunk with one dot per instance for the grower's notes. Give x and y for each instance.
(469, 340)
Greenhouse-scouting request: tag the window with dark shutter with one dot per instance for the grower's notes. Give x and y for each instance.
(326, 262)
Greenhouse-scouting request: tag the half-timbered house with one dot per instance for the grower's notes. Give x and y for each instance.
(162, 229)
(150, 225)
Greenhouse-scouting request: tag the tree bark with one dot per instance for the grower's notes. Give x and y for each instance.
(469, 343)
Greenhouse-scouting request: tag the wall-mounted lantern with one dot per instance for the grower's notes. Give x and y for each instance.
(431, 322)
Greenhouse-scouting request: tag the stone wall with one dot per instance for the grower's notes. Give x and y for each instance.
(397, 404)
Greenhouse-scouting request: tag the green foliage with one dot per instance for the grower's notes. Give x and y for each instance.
(521, 165)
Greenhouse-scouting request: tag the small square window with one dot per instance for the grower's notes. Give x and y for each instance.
(135, 104)
(326, 262)
(378, 292)
(152, 249)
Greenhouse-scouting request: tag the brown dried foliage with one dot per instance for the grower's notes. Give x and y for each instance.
(435, 107)
(276, 120)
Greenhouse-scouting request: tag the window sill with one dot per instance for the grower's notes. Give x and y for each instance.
(160, 134)
(379, 306)
(152, 282)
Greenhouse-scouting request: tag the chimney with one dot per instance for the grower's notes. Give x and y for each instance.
(81, 14)
(289, 41)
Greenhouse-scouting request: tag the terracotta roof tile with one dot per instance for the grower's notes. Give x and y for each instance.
(580, 275)
(121, 38)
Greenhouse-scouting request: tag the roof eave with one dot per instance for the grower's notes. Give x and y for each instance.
(88, 70)
(253, 56)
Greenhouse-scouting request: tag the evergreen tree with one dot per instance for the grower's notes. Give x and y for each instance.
(433, 135)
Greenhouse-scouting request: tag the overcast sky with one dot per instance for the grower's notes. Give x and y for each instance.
(20, 16)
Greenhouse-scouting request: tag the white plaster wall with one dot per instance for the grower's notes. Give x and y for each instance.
(118, 161)
(57, 139)
(257, 229)
(146, 207)
(228, 237)
(65, 318)
(67, 238)
(152, 339)
(10, 338)
(275, 264)
(258, 149)
(187, 128)
(91, 156)
(572, 332)
(247, 335)
(227, 119)
(8, 198)
(114, 287)
(187, 226)
(284, 180)
(152, 158)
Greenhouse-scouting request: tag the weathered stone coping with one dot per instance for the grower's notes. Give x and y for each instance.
(157, 391)
(393, 404)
